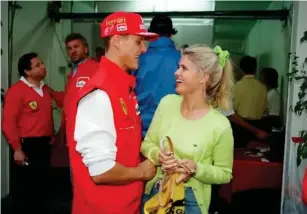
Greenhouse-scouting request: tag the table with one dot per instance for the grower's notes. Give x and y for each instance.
(251, 173)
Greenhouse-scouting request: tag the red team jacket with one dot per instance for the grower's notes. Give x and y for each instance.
(74, 84)
(26, 114)
(89, 197)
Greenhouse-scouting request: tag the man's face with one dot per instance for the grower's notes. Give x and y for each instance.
(76, 50)
(38, 69)
(130, 48)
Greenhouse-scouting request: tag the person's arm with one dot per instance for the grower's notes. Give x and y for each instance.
(221, 170)
(235, 97)
(242, 123)
(11, 111)
(58, 96)
(150, 146)
(95, 135)
(61, 134)
(233, 117)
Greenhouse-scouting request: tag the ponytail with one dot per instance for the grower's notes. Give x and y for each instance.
(222, 95)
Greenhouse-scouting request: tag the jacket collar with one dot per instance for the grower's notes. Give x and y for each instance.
(75, 65)
(123, 80)
(82, 63)
(25, 81)
(162, 42)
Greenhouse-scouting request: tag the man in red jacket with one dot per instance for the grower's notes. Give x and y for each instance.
(28, 126)
(83, 67)
(104, 129)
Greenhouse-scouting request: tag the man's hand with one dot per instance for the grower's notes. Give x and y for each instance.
(262, 135)
(148, 170)
(50, 90)
(19, 157)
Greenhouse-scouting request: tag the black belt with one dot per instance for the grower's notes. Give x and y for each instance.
(35, 139)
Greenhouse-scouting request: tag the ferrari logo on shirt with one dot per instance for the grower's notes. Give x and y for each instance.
(124, 107)
(33, 105)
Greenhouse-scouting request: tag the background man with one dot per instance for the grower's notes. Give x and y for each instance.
(28, 126)
(156, 73)
(83, 67)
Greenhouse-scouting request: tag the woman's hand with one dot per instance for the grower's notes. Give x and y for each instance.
(167, 160)
(186, 168)
(190, 165)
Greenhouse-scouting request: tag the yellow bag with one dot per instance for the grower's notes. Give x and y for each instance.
(170, 198)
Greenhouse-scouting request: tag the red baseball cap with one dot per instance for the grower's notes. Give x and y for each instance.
(125, 23)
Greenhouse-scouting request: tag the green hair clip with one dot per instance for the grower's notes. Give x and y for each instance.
(222, 55)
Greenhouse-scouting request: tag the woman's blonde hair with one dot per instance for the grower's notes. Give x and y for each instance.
(221, 76)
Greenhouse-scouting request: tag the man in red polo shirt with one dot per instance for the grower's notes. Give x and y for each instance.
(83, 67)
(28, 126)
(104, 126)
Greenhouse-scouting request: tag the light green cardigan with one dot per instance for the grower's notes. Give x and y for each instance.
(208, 141)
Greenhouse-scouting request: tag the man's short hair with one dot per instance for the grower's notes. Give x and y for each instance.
(184, 46)
(99, 49)
(76, 36)
(106, 43)
(270, 76)
(162, 25)
(248, 64)
(24, 63)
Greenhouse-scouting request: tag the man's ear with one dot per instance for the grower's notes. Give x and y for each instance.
(86, 50)
(116, 41)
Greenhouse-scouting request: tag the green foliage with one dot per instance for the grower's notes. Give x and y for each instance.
(299, 75)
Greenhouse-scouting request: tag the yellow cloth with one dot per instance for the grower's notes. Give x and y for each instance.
(250, 98)
(170, 200)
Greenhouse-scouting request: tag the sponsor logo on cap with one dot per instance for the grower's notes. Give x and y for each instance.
(116, 21)
(108, 30)
(121, 27)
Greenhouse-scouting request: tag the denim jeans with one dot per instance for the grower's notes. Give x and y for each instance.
(191, 206)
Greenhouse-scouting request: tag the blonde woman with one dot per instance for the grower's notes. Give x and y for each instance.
(202, 136)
